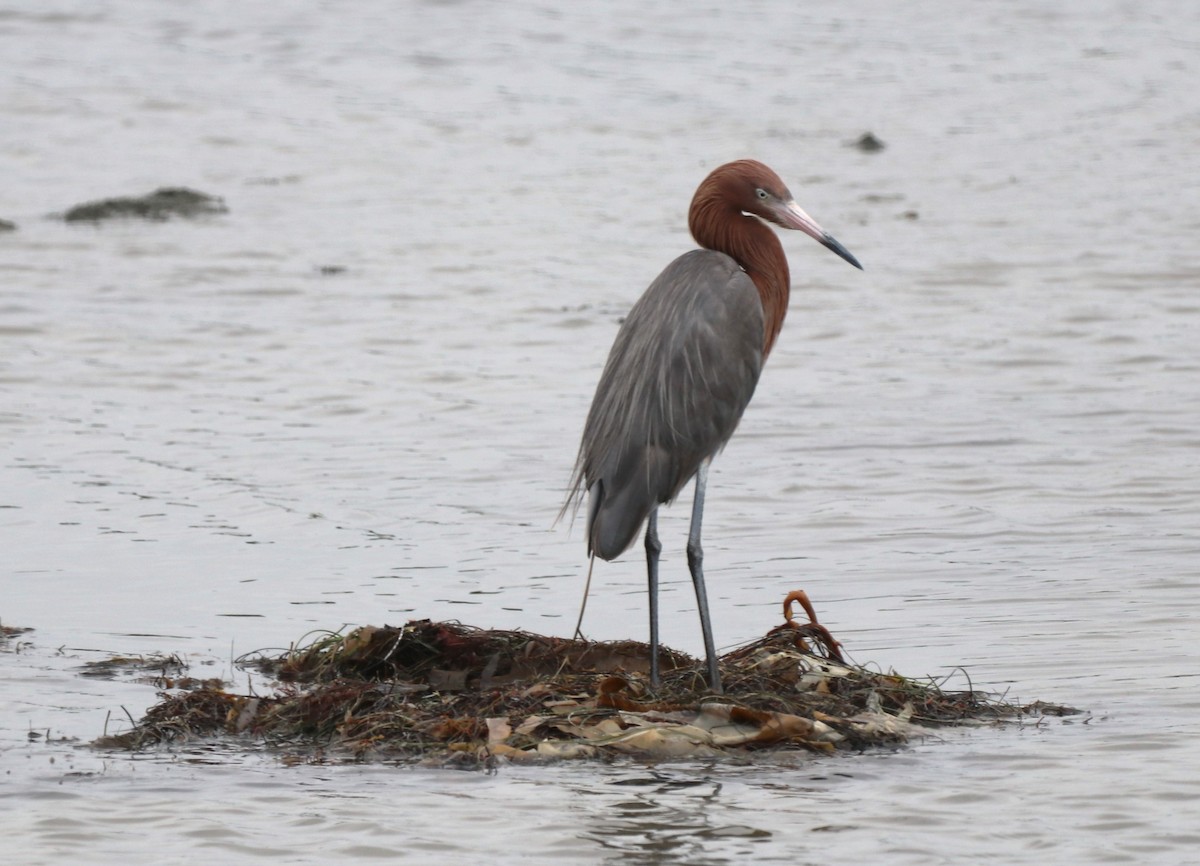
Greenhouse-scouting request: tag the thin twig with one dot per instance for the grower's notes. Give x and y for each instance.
(583, 604)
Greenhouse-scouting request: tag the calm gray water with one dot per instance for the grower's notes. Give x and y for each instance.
(356, 399)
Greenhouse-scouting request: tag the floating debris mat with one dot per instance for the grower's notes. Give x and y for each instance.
(453, 693)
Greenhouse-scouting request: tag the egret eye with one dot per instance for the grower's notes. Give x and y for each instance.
(762, 194)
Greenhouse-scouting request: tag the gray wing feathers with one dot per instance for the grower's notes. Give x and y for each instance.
(681, 371)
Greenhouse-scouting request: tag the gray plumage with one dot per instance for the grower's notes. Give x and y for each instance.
(680, 374)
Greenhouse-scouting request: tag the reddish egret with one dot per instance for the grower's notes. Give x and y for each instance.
(682, 369)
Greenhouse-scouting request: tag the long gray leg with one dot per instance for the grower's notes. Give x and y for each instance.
(695, 555)
(653, 549)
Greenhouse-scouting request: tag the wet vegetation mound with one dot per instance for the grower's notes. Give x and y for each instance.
(453, 693)
(9, 633)
(159, 205)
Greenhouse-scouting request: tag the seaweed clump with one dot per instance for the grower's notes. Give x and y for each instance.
(159, 205)
(10, 638)
(451, 692)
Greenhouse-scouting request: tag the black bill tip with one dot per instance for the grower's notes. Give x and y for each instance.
(830, 242)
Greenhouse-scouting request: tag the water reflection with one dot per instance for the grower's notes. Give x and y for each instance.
(670, 817)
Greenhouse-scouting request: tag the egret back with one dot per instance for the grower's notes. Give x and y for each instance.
(681, 371)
